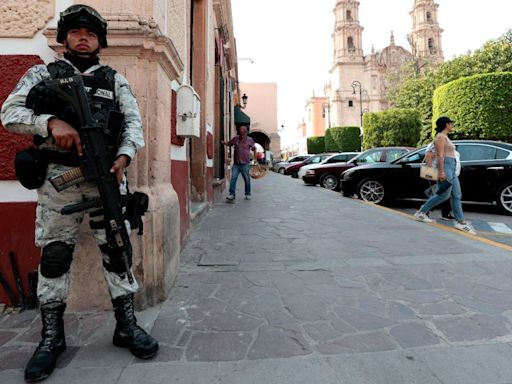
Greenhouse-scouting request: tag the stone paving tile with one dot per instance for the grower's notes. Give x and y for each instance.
(166, 353)
(410, 335)
(476, 327)
(323, 330)
(362, 321)
(307, 307)
(279, 341)
(213, 346)
(6, 336)
(367, 342)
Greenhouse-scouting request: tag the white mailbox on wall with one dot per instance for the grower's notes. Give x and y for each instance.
(188, 112)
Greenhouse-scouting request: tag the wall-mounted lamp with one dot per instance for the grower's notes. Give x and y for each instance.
(244, 100)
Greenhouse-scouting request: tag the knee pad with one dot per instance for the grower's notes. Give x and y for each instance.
(113, 262)
(56, 259)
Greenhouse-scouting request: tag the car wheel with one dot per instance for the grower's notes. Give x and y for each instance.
(295, 175)
(329, 182)
(281, 171)
(504, 197)
(371, 191)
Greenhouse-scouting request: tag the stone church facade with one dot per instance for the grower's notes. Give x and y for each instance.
(358, 82)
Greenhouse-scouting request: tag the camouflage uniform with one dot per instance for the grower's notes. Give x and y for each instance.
(51, 226)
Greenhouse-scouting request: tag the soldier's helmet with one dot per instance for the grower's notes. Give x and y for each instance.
(82, 16)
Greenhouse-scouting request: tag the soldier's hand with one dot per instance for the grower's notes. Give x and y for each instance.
(119, 166)
(65, 135)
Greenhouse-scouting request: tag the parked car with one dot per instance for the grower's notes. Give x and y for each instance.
(342, 157)
(486, 176)
(281, 165)
(328, 175)
(293, 169)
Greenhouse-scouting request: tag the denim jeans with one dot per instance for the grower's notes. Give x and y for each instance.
(237, 170)
(453, 193)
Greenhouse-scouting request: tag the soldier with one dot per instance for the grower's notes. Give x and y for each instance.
(83, 32)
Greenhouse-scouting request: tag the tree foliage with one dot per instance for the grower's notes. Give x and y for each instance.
(418, 82)
(391, 127)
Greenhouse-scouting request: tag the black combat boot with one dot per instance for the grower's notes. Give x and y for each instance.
(128, 334)
(42, 362)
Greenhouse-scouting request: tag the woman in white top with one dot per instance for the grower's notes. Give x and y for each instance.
(448, 184)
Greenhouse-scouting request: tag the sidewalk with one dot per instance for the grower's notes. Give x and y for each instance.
(303, 286)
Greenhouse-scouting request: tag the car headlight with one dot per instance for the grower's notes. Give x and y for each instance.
(347, 175)
(310, 172)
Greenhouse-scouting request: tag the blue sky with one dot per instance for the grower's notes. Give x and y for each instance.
(290, 40)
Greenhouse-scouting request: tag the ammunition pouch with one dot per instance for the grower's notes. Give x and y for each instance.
(31, 165)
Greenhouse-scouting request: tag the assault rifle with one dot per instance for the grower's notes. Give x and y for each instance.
(95, 165)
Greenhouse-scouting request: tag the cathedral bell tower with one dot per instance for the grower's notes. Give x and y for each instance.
(347, 36)
(425, 38)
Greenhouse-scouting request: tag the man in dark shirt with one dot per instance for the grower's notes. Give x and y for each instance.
(243, 145)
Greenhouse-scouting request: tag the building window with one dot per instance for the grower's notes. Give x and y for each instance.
(349, 16)
(429, 18)
(432, 47)
(350, 44)
(350, 103)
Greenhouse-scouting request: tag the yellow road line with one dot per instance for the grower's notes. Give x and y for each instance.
(444, 227)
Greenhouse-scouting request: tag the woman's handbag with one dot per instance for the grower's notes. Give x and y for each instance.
(429, 173)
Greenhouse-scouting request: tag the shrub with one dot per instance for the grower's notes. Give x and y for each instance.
(343, 139)
(391, 127)
(316, 144)
(481, 105)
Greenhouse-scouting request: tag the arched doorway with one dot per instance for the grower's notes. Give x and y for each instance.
(261, 138)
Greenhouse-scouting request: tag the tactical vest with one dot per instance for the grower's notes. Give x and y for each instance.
(100, 90)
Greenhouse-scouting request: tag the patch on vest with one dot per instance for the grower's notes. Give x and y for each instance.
(104, 93)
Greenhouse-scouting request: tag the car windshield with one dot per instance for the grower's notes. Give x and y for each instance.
(414, 157)
(368, 157)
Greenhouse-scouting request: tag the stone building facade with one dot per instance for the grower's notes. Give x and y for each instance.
(358, 81)
(166, 48)
(262, 109)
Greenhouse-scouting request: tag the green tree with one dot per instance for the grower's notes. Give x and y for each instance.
(391, 127)
(417, 85)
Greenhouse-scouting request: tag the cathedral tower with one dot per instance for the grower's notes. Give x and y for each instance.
(348, 33)
(425, 38)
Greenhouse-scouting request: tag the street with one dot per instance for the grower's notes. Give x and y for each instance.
(301, 285)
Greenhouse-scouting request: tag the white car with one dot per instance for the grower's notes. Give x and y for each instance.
(281, 166)
(342, 157)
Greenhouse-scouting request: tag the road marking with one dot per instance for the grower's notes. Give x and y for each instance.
(501, 228)
(442, 226)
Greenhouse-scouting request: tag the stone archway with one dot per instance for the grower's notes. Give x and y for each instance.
(261, 138)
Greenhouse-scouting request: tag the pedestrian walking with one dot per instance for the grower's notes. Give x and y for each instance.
(446, 209)
(243, 145)
(83, 32)
(448, 186)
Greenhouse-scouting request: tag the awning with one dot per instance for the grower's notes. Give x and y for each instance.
(241, 118)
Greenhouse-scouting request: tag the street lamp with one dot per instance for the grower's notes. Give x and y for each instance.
(244, 101)
(327, 106)
(357, 84)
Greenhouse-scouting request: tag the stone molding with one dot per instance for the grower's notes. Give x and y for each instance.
(25, 18)
(128, 35)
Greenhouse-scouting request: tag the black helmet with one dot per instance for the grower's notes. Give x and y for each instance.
(80, 15)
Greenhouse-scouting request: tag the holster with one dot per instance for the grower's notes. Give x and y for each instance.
(137, 205)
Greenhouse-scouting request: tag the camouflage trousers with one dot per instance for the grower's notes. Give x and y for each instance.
(52, 226)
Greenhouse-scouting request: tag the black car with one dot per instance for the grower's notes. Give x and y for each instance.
(486, 176)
